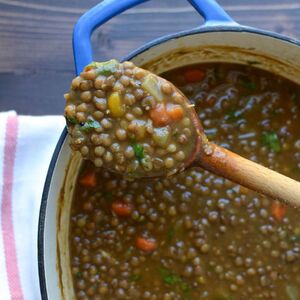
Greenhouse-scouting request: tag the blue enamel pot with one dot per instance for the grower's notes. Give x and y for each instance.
(219, 39)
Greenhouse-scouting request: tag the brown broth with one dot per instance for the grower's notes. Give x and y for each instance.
(213, 239)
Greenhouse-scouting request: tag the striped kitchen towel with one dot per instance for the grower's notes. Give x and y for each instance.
(26, 147)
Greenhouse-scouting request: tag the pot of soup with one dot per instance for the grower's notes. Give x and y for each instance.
(193, 235)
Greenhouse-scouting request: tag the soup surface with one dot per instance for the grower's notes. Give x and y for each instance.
(195, 235)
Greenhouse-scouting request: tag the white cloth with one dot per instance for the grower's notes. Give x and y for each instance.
(26, 147)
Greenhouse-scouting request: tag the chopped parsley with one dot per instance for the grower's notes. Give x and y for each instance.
(170, 234)
(105, 68)
(175, 280)
(89, 125)
(138, 150)
(292, 292)
(135, 277)
(295, 238)
(271, 140)
(72, 120)
(246, 83)
(168, 277)
(128, 253)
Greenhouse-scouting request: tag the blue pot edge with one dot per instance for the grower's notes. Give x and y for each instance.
(147, 46)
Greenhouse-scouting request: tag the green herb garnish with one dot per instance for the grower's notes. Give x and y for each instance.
(89, 125)
(295, 238)
(271, 140)
(176, 280)
(137, 148)
(72, 120)
(135, 277)
(168, 277)
(170, 234)
(128, 253)
(246, 83)
(138, 151)
(105, 68)
(292, 292)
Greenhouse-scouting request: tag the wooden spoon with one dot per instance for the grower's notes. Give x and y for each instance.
(202, 153)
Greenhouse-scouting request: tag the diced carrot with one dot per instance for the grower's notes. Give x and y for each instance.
(146, 244)
(194, 75)
(159, 115)
(278, 210)
(89, 180)
(175, 112)
(121, 209)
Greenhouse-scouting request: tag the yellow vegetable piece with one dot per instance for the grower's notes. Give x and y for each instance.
(115, 105)
(151, 85)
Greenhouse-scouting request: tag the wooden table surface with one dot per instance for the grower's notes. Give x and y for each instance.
(36, 63)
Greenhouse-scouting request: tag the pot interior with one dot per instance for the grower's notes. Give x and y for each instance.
(265, 52)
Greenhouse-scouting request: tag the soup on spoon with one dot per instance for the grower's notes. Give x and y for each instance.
(133, 122)
(130, 121)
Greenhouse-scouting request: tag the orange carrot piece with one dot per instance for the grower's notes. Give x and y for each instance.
(195, 75)
(121, 209)
(159, 115)
(146, 244)
(278, 210)
(175, 112)
(89, 179)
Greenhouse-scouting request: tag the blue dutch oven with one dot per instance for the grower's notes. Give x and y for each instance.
(219, 39)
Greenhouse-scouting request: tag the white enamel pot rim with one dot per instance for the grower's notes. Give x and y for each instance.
(269, 46)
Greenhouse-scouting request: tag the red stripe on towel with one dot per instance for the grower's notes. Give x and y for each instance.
(9, 243)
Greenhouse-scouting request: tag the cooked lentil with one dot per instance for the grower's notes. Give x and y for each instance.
(140, 121)
(195, 235)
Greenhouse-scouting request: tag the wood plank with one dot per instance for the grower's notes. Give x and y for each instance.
(36, 62)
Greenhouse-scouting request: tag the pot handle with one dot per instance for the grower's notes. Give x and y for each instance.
(88, 22)
(212, 13)
(104, 11)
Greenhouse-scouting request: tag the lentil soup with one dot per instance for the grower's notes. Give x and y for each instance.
(195, 235)
(128, 120)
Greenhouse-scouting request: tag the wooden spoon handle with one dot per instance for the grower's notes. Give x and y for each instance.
(249, 174)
